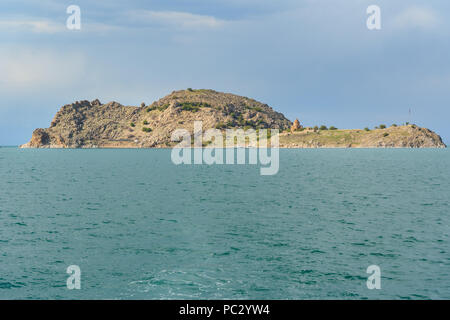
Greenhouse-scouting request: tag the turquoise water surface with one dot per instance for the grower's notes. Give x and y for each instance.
(140, 227)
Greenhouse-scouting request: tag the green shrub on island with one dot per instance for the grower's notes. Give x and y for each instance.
(250, 123)
(258, 109)
(332, 128)
(385, 134)
(163, 107)
(382, 126)
(220, 125)
(323, 127)
(206, 143)
(262, 124)
(145, 122)
(145, 129)
(393, 125)
(190, 89)
(230, 124)
(193, 106)
(132, 124)
(367, 129)
(156, 107)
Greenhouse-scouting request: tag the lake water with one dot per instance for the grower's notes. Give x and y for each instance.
(140, 227)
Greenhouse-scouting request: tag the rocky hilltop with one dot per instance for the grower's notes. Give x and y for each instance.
(91, 124)
(85, 124)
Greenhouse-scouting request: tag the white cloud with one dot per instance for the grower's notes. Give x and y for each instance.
(25, 69)
(46, 26)
(417, 17)
(101, 28)
(33, 25)
(175, 19)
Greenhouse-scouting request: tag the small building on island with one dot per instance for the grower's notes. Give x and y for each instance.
(296, 126)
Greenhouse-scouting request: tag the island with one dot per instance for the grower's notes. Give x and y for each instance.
(91, 124)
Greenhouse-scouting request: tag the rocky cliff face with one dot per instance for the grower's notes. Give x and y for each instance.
(85, 124)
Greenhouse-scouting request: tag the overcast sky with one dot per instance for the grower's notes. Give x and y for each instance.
(311, 60)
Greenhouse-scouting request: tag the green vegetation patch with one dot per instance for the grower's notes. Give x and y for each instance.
(255, 108)
(157, 107)
(221, 125)
(193, 106)
(163, 107)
